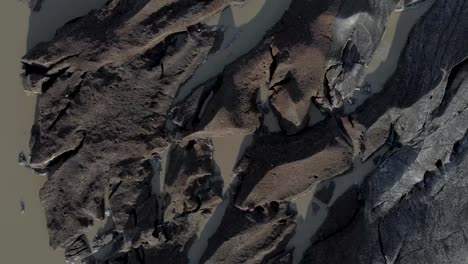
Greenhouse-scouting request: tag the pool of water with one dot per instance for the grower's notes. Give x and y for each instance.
(227, 151)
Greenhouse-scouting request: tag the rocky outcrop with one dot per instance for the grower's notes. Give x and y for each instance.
(122, 143)
(273, 159)
(412, 207)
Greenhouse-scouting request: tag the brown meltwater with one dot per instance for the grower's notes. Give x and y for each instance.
(385, 60)
(312, 213)
(228, 150)
(308, 220)
(24, 235)
(244, 25)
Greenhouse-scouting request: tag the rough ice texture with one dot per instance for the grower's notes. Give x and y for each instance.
(106, 111)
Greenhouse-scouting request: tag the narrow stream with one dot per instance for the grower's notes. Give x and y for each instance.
(207, 230)
(311, 215)
(244, 26)
(312, 212)
(228, 150)
(24, 235)
(385, 60)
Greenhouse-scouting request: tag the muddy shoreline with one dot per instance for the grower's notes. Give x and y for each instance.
(24, 226)
(248, 132)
